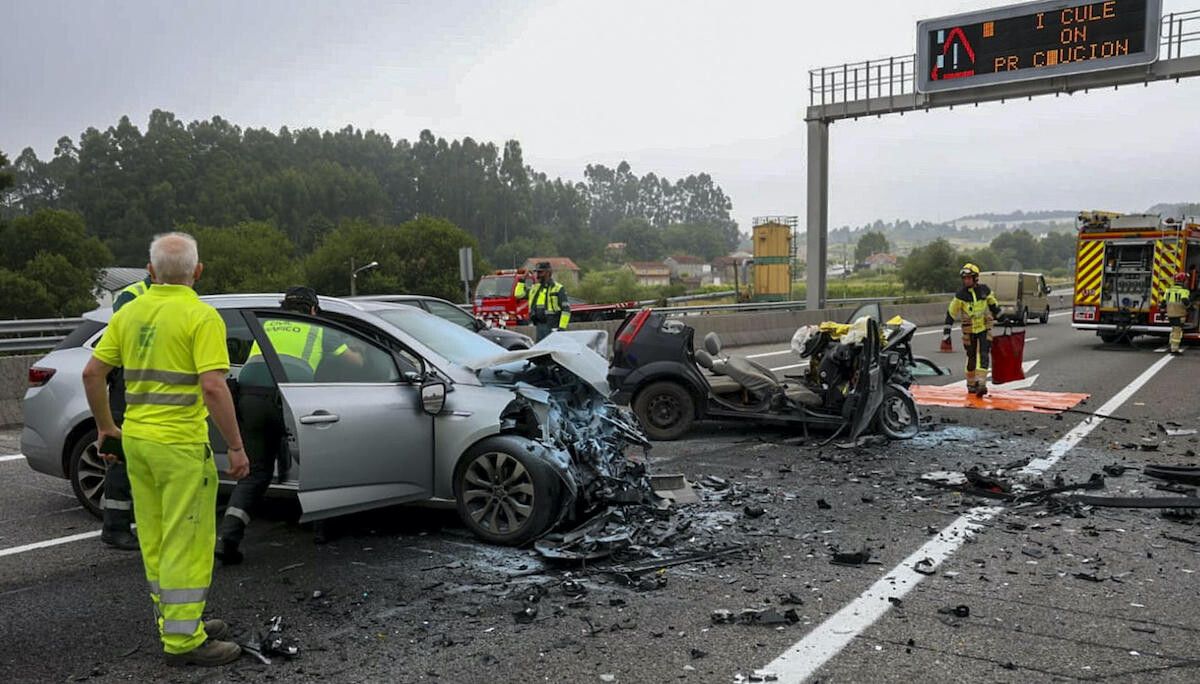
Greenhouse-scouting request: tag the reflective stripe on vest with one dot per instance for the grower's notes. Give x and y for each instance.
(136, 289)
(153, 386)
(549, 298)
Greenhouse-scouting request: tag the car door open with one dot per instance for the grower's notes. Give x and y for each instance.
(356, 428)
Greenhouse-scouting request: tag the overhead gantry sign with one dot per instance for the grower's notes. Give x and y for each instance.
(1037, 40)
(1014, 52)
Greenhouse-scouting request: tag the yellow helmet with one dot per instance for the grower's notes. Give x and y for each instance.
(969, 270)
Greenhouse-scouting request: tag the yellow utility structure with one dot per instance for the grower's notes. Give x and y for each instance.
(773, 245)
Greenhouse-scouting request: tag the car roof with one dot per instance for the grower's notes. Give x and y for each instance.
(241, 301)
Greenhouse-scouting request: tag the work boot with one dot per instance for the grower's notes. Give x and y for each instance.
(227, 552)
(124, 540)
(217, 630)
(209, 654)
(981, 389)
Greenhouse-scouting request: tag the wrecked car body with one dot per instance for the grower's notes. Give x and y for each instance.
(428, 412)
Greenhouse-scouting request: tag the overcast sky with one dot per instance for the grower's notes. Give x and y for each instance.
(674, 87)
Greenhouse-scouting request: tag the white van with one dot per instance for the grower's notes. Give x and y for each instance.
(1021, 295)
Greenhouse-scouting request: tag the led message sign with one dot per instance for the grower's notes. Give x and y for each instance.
(1035, 40)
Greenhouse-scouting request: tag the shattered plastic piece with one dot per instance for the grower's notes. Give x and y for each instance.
(1089, 576)
(674, 487)
(697, 654)
(722, 616)
(823, 505)
(526, 615)
(274, 642)
(763, 676)
(1114, 470)
(754, 512)
(962, 611)
(790, 599)
(925, 566)
(854, 559)
(573, 588)
(768, 616)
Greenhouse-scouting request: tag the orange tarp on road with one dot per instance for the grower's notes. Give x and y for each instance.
(997, 400)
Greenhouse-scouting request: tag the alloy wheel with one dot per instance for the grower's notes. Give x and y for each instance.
(498, 492)
(91, 473)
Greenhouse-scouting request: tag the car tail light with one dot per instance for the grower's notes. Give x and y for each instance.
(40, 376)
(633, 328)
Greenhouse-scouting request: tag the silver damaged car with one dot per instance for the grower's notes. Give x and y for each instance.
(520, 442)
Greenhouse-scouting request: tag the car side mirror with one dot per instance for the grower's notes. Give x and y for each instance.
(478, 324)
(433, 397)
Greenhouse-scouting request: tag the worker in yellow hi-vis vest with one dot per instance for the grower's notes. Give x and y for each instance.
(549, 308)
(976, 306)
(172, 347)
(1178, 299)
(116, 504)
(301, 347)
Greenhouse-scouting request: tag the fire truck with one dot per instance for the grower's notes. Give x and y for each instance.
(496, 302)
(1124, 264)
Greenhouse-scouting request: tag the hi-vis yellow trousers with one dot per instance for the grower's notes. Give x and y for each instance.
(174, 504)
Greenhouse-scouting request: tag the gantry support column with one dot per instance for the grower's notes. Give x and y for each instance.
(818, 213)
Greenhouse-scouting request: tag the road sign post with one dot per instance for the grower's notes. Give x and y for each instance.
(466, 271)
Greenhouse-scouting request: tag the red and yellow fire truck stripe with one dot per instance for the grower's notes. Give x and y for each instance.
(1089, 270)
(1167, 263)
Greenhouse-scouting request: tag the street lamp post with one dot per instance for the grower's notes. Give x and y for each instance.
(354, 274)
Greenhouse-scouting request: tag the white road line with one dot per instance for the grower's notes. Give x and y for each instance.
(926, 332)
(828, 639)
(12, 457)
(798, 365)
(1060, 313)
(778, 353)
(14, 550)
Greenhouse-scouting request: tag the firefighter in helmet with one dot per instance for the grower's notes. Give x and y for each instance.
(976, 307)
(549, 309)
(1178, 298)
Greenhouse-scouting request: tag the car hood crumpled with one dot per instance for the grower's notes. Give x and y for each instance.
(579, 351)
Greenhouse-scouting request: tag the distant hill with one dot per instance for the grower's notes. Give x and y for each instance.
(1018, 216)
(1178, 210)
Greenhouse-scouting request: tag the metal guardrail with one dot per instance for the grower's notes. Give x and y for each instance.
(749, 307)
(896, 76)
(33, 335)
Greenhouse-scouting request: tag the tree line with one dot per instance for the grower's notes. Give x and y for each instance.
(301, 200)
(935, 266)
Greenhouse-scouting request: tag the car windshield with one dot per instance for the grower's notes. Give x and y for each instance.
(453, 342)
(494, 286)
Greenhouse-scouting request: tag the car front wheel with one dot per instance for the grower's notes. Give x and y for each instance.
(87, 473)
(505, 494)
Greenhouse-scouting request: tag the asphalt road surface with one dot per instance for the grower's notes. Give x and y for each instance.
(407, 595)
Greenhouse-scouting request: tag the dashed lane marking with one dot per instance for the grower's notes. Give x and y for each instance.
(776, 353)
(828, 639)
(12, 457)
(14, 550)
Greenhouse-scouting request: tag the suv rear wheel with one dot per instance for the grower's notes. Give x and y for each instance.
(87, 473)
(1045, 317)
(666, 410)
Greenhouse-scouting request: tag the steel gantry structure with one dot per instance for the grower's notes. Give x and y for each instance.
(889, 86)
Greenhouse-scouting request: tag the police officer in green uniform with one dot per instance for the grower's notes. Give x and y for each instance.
(117, 502)
(301, 347)
(549, 308)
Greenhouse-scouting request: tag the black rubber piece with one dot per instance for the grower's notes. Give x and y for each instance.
(1136, 501)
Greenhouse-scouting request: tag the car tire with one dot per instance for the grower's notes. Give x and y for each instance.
(1045, 317)
(898, 417)
(1109, 338)
(87, 473)
(666, 410)
(1024, 315)
(504, 493)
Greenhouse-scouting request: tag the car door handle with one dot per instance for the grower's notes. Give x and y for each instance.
(319, 417)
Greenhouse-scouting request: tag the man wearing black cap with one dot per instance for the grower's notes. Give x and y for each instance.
(301, 346)
(549, 308)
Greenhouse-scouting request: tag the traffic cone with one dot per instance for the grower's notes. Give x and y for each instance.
(946, 345)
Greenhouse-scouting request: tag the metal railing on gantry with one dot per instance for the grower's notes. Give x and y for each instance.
(892, 77)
